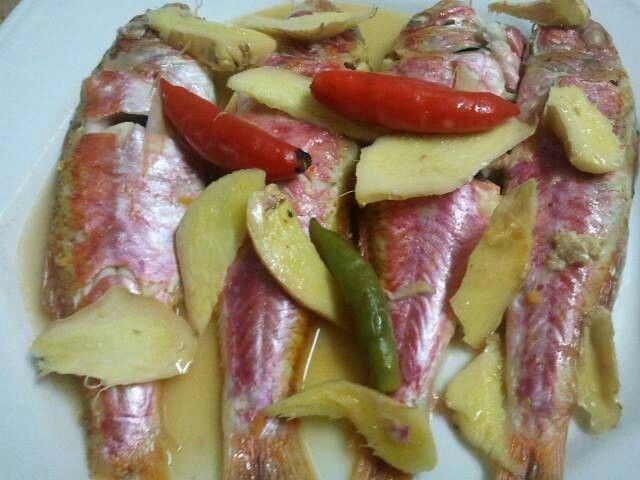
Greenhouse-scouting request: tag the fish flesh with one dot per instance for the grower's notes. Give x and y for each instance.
(262, 331)
(577, 210)
(420, 247)
(121, 191)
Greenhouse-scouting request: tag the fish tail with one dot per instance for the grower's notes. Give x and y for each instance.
(267, 450)
(541, 462)
(125, 436)
(370, 467)
(546, 462)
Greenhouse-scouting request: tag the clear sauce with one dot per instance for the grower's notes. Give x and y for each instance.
(192, 415)
(332, 355)
(192, 401)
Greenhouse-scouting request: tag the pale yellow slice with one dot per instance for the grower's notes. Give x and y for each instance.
(379, 32)
(316, 26)
(476, 398)
(398, 434)
(567, 13)
(467, 80)
(208, 238)
(598, 382)
(121, 338)
(289, 255)
(287, 91)
(497, 266)
(221, 47)
(397, 167)
(587, 135)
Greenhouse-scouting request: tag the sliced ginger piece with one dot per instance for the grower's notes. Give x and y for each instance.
(566, 13)
(289, 255)
(587, 135)
(598, 382)
(208, 238)
(497, 266)
(316, 26)
(467, 80)
(287, 91)
(398, 434)
(398, 167)
(221, 47)
(476, 398)
(121, 338)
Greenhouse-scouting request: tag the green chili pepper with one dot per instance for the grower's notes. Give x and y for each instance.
(365, 302)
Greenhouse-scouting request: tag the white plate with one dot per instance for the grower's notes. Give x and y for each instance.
(46, 49)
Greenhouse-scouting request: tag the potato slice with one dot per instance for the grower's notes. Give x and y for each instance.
(567, 13)
(119, 339)
(476, 398)
(587, 135)
(497, 266)
(598, 382)
(221, 47)
(289, 92)
(397, 167)
(208, 238)
(398, 434)
(316, 26)
(289, 255)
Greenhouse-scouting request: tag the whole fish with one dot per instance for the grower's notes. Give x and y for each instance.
(263, 332)
(580, 236)
(420, 247)
(121, 191)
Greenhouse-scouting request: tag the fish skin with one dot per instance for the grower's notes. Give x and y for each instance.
(117, 206)
(444, 230)
(543, 336)
(262, 331)
(437, 41)
(430, 239)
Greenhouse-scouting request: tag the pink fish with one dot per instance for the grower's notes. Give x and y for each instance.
(566, 279)
(263, 332)
(421, 246)
(121, 192)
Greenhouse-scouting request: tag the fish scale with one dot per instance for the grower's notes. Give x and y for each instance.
(430, 239)
(263, 332)
(543, 330)
(117, 207)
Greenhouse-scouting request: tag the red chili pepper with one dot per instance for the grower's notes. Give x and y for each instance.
(225, 139)
(407, 104)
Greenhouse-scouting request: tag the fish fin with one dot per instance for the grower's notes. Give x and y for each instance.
(267, 450)
(547, 461)
(543, 462)
(370, 467)
(504, 474)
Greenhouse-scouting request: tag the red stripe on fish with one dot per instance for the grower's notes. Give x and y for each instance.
(260, 332)
(263, 332)
(124, 218)
(580, 235)
(424, 240)
(121, 192)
